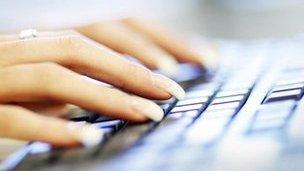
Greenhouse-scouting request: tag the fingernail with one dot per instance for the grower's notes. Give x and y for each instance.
(167, 66)
(85, 133)
(169, 86)
(147, 108)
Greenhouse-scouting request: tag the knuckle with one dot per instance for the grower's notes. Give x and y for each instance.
(72, 41)
(73, 45)
(8, 116)
(139, 73)
(47, 76)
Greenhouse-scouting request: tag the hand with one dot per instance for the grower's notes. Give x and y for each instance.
(46, 73)
(156, 47)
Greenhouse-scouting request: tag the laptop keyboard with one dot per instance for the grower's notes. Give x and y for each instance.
(201, 118)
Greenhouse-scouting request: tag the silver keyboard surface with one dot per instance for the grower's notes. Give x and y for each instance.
(250, 112)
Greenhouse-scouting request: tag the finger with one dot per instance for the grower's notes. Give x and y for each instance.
(124, 40)
(166, 40)
(40, 82)
(46, 107)
(17, 122)
(89, 58)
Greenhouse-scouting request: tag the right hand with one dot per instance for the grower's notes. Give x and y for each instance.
(48, 70)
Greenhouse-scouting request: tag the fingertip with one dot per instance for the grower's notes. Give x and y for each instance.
(146, 108)
(168, 85)
(85, 133)
(168, 66)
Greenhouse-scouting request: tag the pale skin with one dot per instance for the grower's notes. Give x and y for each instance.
(42, 76)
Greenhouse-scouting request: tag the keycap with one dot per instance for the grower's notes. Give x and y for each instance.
(225, 93)
(78, 115)
(198, 93)
(227, 113)
(204, 86)
(102, 119)
(227, 99)
(272, 115)
(186, 108)
(166, 107)
(162, 102)
(275, 110)
(108, 124)
(204, 131)
(196, 100)
(173, 120)
(222, 106)
(283, 95)
(168, 130)
(190, 114)
(40, 147)
(125, 138)
(290, 81)
(238, 85)
(108, 130)
(268, 125)
(166, 104)
(288, 87)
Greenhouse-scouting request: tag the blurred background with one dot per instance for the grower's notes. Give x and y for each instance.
(233, 19)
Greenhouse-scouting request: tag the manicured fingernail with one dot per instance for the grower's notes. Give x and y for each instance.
(147, 108)
(169, 86)
(85, 133)
(167, 66)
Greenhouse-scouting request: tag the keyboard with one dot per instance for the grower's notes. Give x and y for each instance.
(250, 111)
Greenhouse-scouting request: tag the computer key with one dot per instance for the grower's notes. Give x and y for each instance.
(289, 81)
(204, 131)
(283, 95)
(288, 87)
(40, 147)
(198, 93)
(196, 100)
(268, 124)
(103, 118)
(78, 114)
(166, 107)
(186, 108)
(168, 130)
(226, 93)
(204, 86)
(222, 106)
(190, 114)
(238, 85)
(275, 110)
(227, 99)
(162, 102)
(227, 113)
(108, 124)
